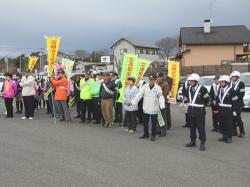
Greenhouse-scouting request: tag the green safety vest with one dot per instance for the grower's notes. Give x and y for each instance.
(85, 87)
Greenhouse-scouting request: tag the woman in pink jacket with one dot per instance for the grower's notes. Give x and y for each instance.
(9, 92)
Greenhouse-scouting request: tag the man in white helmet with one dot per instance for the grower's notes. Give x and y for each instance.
(226, 99)
(197, 98)
(239, 89)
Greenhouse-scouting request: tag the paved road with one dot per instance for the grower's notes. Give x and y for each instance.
(39, 153)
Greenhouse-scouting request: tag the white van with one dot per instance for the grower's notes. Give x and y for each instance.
(245, 77)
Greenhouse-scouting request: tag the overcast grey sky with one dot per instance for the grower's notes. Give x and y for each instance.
(97, 24)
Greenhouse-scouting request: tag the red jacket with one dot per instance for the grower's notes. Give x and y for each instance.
(61, 87)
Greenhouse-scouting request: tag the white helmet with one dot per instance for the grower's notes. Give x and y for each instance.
(224, 78)
(235, 74)
(194, 77)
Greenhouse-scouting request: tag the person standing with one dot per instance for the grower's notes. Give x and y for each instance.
(118, 104)
(29, 91)
(61, 87)
(85, 95)
(197, 98)
(95, 93)
(168, 111)
(165, 91)
(153, 101)
(214, 105)
(107, 92)
(140, 103)
(184, 93)
(239, 89)
(48, 92)
(130, 111)
(9, 92)
(77, 96)
(19, 98)
(226, 101)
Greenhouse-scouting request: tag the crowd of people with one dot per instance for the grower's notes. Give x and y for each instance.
(98, 100)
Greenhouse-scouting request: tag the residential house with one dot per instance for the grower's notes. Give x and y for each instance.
(143, 49)
(213, 45)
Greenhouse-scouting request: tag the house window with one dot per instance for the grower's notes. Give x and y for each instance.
(141, 51)
(147, 51)
(153, 52)
(122, 51)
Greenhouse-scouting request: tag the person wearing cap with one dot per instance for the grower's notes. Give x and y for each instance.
(61, 87)
(28, 92)
(214, 105)
(165, 91)
(226, 100)
(107, 92)
(86, 98)
(95, 93)
(118, 104)
(19, 98)
(239, 89)
(184, 93)
(130, 110)
(197, 98)
(153, 101)
(9, 92)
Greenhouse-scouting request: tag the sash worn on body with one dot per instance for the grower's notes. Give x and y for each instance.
(223, 97)
(107, 89)
(192, 101)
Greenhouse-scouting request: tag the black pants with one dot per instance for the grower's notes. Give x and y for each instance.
(215, 117)
(118, 112)
(140, 111)
(19, 106)
(86, 108)
(78, 106)
(237, 121)
(29, 106)
(187, 120)
(154, 123)
(130, 120)
(48, 107)
(96, 104)
(197, 122)
(226, 121)
(9, 106)
(168, 115)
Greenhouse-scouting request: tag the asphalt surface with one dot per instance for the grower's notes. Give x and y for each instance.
(41, 153)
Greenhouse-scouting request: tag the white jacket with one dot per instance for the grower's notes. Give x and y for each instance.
(28, 85)
(130, 93)
(153, 99)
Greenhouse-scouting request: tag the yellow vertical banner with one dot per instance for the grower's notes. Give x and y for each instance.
(32, 62)
(52, 48)
(174, 73)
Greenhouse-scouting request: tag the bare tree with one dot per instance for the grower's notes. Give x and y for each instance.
(168, 45)
(82, 53)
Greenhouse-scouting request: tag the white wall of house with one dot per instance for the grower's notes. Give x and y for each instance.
(141, 52)
(121, 46)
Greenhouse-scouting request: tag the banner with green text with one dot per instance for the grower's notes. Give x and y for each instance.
(132, 66)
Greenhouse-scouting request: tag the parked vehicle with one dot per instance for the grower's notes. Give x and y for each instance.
(2, 78)
(206, 81)
(245, 77)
